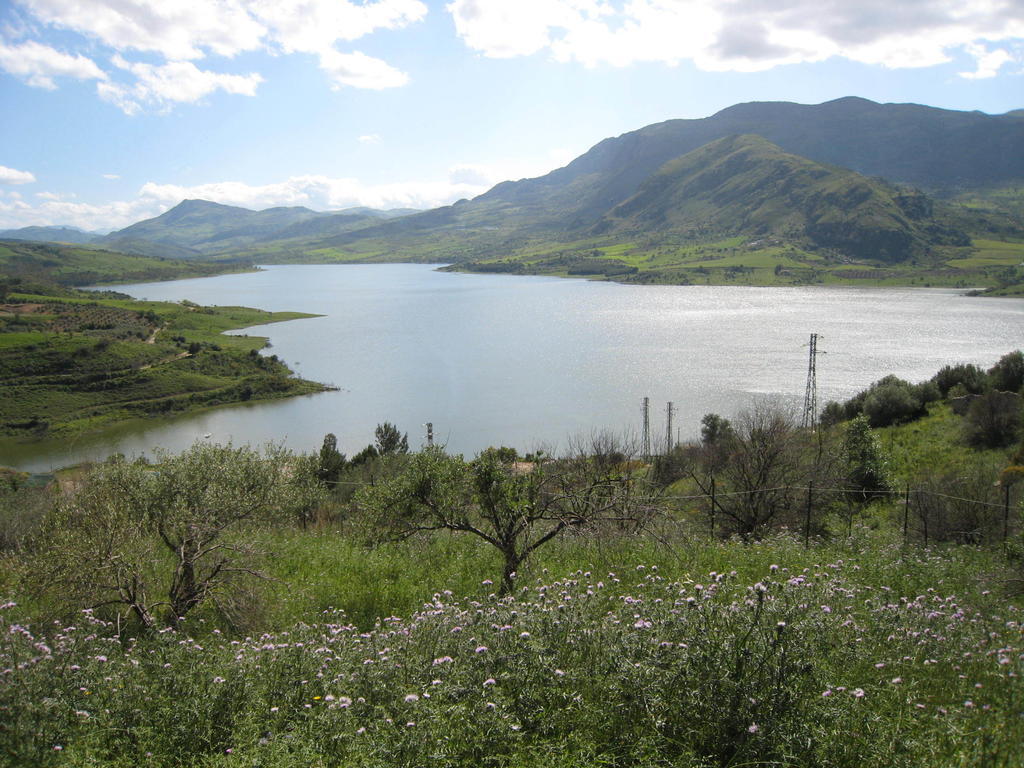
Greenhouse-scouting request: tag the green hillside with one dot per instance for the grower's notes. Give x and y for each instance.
(77, 361)
(747, 185)
(69, 265)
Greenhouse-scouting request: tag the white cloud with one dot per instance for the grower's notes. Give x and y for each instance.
(111, 176)
(175, 82)
(360, 71)
(988, 63)
(741, 35)
(47, 195)
(38, 64)
(313, 191)
(176, 29)
(313, 26)
(370, 138)
(14, 176)
(187, 30)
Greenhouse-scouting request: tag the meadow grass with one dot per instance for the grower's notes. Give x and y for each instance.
(613, 650)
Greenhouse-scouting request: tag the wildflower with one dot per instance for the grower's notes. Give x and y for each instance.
(481, 649)
(486, 582)
(559, 673)
(360, 731)
(753, 728)
(858, 693)
(218, 679)
(896, 680)
(491, 706)
(412, 698)
(826, 693)
(489, 681)
(274, 709)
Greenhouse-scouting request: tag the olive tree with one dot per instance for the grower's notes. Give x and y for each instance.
(156, 541)
(516, 507)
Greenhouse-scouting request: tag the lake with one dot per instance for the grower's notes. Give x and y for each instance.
(533, 361)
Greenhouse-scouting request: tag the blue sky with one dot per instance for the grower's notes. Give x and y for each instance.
(115, 110)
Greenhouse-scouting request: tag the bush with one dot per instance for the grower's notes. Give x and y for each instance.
(970, 376)
(892, 401)
(1008, 374)
(993, 419)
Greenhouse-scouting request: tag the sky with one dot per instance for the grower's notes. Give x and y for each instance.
(114, 111)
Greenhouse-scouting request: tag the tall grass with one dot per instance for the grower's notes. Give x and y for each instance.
(611, 652)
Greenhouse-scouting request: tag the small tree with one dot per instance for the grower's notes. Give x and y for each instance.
(331, 462)
(993, 419)
(866, 470)
(1007, 375)
(151, 539)
(389, 440)
(758, 466)
(513, 508)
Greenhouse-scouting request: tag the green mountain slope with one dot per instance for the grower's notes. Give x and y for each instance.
(936, 149)
(66, 265)
(197, 227)
(56, 234)
(747, 185)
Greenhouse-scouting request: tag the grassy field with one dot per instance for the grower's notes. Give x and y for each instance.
(855, 652)
(96, 360)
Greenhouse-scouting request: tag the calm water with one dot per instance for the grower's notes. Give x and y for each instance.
(533, 361)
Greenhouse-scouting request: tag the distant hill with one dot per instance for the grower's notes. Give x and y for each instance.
(200, 228)
(747, 185)
(57, 234)
(68, 265)
(197, 227)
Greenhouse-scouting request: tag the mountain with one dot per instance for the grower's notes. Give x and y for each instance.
(194, 228)
(747, 185)
(200, 228)
(942, 151)
(936, 149)
(818, 182)
(55, 234)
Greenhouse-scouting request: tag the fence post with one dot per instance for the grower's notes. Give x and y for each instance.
(807, 519)
(712, 515)
(1006, 510)
(906, 515)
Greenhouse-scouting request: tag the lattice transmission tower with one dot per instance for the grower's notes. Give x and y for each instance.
(645, 446)
(669, 410)
(810, 418)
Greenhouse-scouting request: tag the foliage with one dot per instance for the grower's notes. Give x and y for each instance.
(388, 440)
(970, 378)
(993, 419)
(1007, 375)
(867, 473)
(146, 539)
(331, 461)
(513, 508)
(830, 664)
